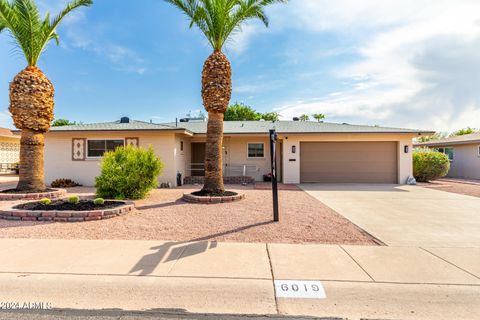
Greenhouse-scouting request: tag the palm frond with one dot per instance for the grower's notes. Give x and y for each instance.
(31, 32)
(219, 19)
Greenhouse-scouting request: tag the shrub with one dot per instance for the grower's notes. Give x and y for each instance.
(74, 199)
(45, 201)
(64, 183)
(428, 165)
(99, 201)
(128, 173)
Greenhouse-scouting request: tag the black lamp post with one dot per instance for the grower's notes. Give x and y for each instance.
(273, 157)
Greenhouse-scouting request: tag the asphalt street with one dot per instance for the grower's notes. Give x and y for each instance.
(126, 315)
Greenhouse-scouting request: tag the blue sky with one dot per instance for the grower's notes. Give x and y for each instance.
(398, 63)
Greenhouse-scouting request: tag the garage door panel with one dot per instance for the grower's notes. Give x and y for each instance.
(347, 162)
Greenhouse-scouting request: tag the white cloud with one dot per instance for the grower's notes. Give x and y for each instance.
(419, 61)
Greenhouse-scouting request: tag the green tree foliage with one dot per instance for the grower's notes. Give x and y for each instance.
(304, 117)
(463, 132)
(128, 173)
(32, 33)
(429, 165)
(62, 123)
(318, 116)
(271, 116)
(241, 112)
(218, 19)
(436, 136)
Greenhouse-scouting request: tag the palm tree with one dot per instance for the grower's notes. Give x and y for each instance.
(217, 20)
(304, 117)
(318, 116)
(31, 93)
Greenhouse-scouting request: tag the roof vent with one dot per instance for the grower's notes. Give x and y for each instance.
(296, 119)
(124, 120)
(184, 120)
(346, 124)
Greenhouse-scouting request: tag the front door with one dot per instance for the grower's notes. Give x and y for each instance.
(198, 159)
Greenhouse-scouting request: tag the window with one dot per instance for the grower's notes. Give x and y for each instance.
(256, 150)
(96, 148)
(448, 151)
(479, 151)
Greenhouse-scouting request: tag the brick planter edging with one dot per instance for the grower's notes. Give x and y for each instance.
(226, 180)
(65, 216)
(188, 197)
(55, 194)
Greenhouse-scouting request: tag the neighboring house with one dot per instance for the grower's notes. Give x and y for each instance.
(9, 151)
(463, 152)
(307, 151)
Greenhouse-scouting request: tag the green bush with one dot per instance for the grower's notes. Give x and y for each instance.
(128, 173)
(45, 201)
(428, 165)
(74, 199)
(99, 201)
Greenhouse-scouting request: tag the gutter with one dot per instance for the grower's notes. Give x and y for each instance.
(446, 143)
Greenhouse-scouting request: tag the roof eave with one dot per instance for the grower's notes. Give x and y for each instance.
(446, 143)
(188, 132)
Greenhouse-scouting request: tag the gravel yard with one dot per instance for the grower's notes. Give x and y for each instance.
(162, 216)
(454, 187)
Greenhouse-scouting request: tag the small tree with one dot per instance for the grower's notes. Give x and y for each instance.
(62, 123)
(241, 112)
(318, 116)
(428, 165)
(434, 137)
(304, 117)
(271, 116)
(463, 132)
(128, 173)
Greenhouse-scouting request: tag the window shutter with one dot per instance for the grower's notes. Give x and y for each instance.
(132, 142)
(79, 146)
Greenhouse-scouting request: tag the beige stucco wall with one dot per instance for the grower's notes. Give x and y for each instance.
(291, 161)
(182, 157)
(59, 163)
(236, 157)
(466, 162)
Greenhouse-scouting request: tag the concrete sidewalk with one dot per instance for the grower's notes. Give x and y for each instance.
(237, 278)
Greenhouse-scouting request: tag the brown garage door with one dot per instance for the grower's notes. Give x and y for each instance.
(348, 162)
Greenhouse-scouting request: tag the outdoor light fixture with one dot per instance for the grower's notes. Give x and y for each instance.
(406, 149)
(294, 149)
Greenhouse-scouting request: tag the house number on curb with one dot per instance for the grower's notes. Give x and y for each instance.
(299, 289)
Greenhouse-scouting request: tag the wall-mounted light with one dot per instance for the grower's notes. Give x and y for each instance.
(406, 149)
(294, 149)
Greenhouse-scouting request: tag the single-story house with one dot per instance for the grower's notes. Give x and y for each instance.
(9, 151)
(464, 154)
(307, 151)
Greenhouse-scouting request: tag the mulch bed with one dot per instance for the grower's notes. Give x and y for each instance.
(163, 216)
(16, 191)
(217, 194)
(60, 205)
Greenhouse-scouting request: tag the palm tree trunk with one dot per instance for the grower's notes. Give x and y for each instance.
(214, 155)
(216, 93)
(31, 106)
(31, 175)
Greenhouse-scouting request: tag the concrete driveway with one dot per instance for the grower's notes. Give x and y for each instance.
(405, 215)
